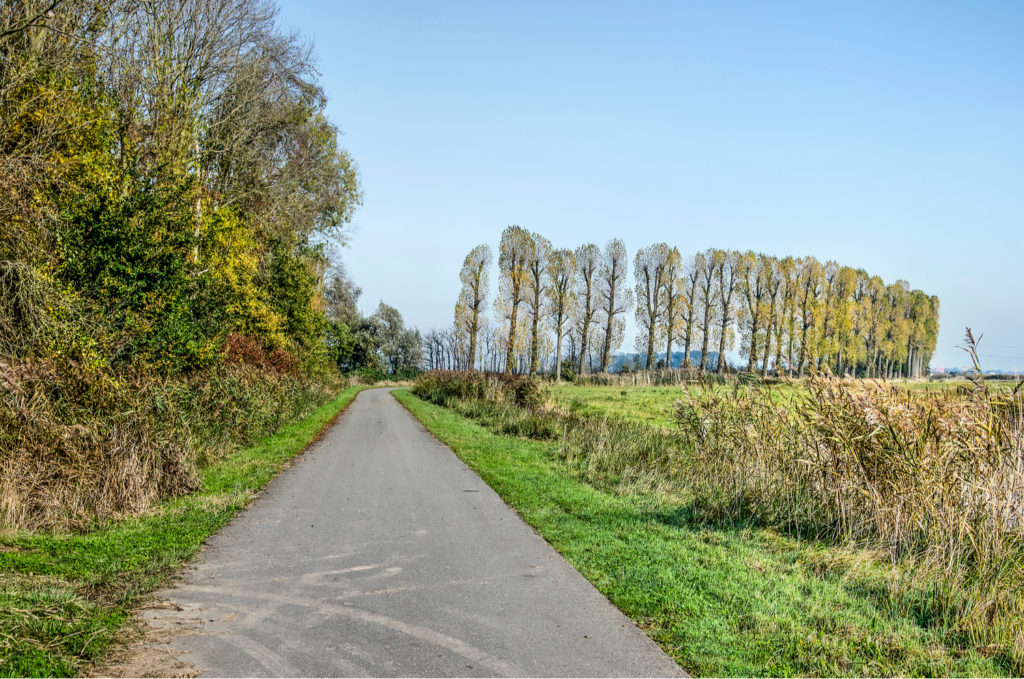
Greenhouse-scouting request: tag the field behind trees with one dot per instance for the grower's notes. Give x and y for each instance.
(910, 501)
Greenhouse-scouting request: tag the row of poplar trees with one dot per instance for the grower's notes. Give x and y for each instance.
(784, 315)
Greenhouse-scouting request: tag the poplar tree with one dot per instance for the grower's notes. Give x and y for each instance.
(536, 287)
(616, 299)
(753, 287)
(514, 255)
(673, 295)
(472, 297)
(774, 283)
(726, 269)
(810, 273)
(786, 320)
(588, 265)
(561, 297)
(649, 271)
(704, 268)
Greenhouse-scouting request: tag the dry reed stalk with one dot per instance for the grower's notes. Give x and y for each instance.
(934, 480)
(79, 445)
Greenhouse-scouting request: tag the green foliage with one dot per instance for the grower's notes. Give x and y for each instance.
(721, 599)
(293, 292)
(171, 211)
(568, 370)
(233, 295)
(162, 240)
(369, 375)
(445, 386)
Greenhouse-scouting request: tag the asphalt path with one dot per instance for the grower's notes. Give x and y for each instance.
(379, 553)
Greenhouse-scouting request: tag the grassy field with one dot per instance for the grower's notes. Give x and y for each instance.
(655, 405)
(652, 405)
(726, 598)
(65, 598)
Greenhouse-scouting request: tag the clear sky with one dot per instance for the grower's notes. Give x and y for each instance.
(888, 136)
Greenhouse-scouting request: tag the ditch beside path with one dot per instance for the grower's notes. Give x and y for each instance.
(379, 553)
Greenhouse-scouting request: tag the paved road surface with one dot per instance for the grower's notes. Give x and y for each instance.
(380, 554)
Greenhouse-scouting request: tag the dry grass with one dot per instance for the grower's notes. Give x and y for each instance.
(932, 480)
(936, 481)
(79, 445)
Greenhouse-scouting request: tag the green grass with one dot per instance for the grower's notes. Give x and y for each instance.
(65, 598)
(644, 405)
(721, 600)
(655, 405)
(651, 405)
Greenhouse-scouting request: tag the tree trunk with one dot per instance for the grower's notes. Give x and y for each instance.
(607, 349)
(199, 208)
(534, 348)
(704, 343)
(767, 353)
(583, 347)
(752, 361)
(558, 354)
(721, 364)
(510, 350)
(789, 350)
(804, 355)
(473, 331)
(686, 340)
(778, 352)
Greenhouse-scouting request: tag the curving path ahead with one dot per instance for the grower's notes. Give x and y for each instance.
(380, 554)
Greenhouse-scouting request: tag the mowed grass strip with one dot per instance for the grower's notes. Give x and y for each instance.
(721, 600)
(64, 598)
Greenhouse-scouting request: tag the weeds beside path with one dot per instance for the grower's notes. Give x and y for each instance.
(720, 599)
(64, 598)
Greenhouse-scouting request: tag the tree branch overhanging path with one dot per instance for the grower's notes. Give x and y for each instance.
(381, 554)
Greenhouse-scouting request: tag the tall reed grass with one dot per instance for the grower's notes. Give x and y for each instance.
(935, 480)
(79, 445)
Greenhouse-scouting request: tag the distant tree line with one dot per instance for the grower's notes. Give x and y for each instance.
(561, 308)
(375, 345)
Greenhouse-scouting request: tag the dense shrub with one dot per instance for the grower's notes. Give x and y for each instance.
(512, 404)
(246, 350)
(442, 386)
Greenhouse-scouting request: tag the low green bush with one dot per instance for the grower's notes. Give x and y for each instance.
(440, 386)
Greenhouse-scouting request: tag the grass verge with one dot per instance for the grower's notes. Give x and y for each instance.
(64, 598)
(723, 600)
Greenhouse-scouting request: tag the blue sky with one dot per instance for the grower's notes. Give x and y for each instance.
(888, 136)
